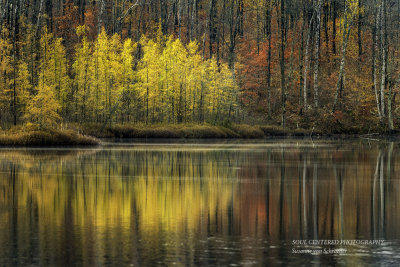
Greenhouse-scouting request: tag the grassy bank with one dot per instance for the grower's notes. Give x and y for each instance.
(86, 135)
(34, 136)
(45, 137)
(188, 131)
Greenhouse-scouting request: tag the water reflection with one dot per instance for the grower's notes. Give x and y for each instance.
(198, 204)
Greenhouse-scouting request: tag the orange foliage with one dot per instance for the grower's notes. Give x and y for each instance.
(253, 72)
(66, 25)
(91, 22)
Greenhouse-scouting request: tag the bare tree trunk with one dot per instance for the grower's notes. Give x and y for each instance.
(223, 20)
(282, 62)
(383, 51)
(38, 24)
(180, 10)
(101, 9)
(189, 17)
(218, 37)
(207, 24)
(114, 17)
(316, 51)
(346, 33)
(195, 18)
(240, 14)
(211, 29)
(291, 60)
(233, 31)
(2, 12)
(359, 31)
(269, 61)
(163, 16)
(334, 27)
(340, 82)
(390, 118)
(306, 63)
(15, 13)
(374, 67)
(326, 21)
(301, 65)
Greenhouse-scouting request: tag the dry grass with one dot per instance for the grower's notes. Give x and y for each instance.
(31, 135)
(200, 131)
(248, 131)
(45, 137)
(271, 130)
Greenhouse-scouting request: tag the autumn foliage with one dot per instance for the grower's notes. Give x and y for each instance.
(331, 65)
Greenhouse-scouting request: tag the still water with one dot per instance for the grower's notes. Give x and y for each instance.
(139, 204)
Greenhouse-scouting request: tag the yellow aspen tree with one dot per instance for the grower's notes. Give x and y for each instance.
(43, 108)
(202, 107)
(228, 92)
(5, 74)
(177, 86)
(58, 79)
(24, 86)
(175, 56)
(115, 79)
(148, 76)
(212, 90)
(180, 73)
(44, 59)
(167, 81)
(99, 69)
(194, 78)
(25, 74)
(127, 77)
(80, 69)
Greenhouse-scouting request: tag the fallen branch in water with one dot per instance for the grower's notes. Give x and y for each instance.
(370, 139)
(369, 134)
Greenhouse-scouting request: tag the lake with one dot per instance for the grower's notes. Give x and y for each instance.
(246, 203)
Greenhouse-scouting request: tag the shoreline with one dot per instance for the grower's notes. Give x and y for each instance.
(91, 135)
(237, 131)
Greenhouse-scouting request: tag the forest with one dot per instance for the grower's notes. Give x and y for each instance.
(298, 64)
